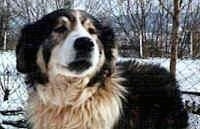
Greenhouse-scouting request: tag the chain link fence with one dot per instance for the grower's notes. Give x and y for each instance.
(155, 49)
(13, 94)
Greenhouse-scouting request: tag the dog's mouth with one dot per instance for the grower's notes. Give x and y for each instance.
(79, 65)
(81, 62)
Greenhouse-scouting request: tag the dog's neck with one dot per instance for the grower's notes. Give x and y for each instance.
(68, 103)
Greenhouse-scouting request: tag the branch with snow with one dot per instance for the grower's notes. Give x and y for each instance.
(1, 127)
(19, 124)
(12, 112)
(191, 93)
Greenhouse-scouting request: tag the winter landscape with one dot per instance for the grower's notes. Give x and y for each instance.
(148, 31)
(187, 75)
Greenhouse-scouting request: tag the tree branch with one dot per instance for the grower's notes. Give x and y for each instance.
(12, 112)
(185, 5)
(19, 124)
(1, 127)
(191, 93)
(165, 8)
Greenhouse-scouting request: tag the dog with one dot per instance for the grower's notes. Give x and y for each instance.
(75, 82)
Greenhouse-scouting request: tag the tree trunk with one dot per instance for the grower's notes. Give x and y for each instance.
(5, 41)
(141, 44)
(174, 36)
(191, 44)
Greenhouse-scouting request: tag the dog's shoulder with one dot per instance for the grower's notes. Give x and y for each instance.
(145, 75)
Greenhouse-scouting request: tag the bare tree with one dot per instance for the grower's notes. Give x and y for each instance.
(94, 7)
(26, 11)
(194, 27)
(4, 22)
(131, 20)
(177, 5)
(185, 43)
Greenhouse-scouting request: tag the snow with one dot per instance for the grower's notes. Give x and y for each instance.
(194, 121)
(12, 80)
(188, 71)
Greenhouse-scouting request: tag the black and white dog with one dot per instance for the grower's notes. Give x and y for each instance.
(69, 59)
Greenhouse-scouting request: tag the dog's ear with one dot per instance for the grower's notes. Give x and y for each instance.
(107, 37)
(110, 46)
(26, 49)
(32, 36)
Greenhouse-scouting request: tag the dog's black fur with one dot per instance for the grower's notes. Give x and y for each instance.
(153, 100)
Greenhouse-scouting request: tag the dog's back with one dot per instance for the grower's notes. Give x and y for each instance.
(153, 99)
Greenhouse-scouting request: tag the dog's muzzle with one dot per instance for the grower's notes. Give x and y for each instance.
(83, 47)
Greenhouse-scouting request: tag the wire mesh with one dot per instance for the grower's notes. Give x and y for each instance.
(13, 93)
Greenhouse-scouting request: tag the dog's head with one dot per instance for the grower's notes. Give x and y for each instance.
(66, 42)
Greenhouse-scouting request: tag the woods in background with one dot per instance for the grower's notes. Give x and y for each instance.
(143, 27)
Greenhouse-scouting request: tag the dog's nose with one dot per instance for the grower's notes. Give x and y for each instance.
(83, 43)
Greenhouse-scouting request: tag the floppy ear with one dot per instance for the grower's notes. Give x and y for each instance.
(32, 36)
(26, 50)
(110, 46)
(108, 39)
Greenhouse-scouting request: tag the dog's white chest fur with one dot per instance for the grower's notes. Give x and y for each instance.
(71, 105)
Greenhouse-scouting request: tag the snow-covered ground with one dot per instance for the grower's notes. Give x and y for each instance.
(188, 76)
(12, 80)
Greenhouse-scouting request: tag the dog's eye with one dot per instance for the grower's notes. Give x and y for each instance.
(60, 29)
(92, 31)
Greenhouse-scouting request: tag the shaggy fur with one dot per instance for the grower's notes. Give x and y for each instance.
(153, 101)
(122, 95)
(63, 105)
